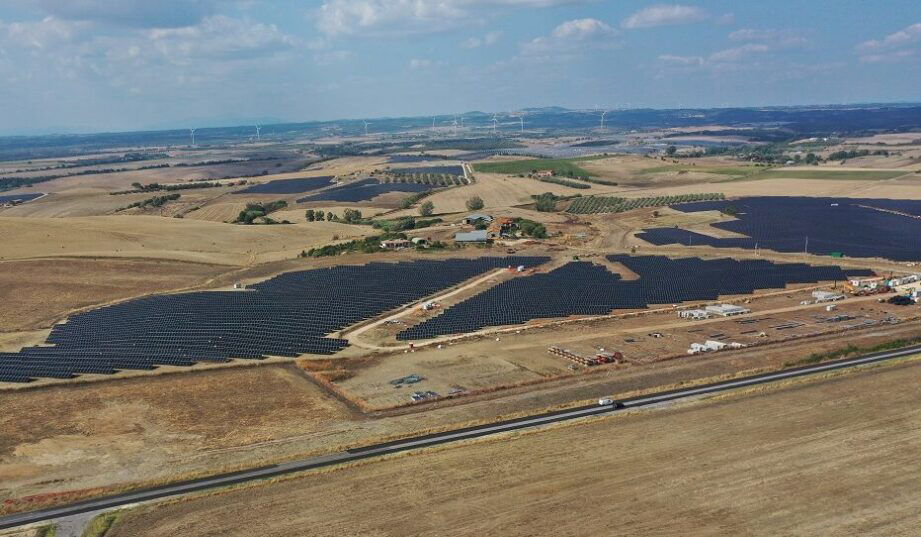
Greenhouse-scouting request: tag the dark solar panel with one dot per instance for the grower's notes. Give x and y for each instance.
(883, 228)
(289, 186)
(587, 289)
(288, 315)
(19, 197)
(449, 170)
(364, 190)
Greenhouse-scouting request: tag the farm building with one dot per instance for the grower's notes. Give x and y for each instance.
(500, 227)
(694, 315)
(543, 173)
(477, 218)
(472, 236)
(395, 244)
(727, 310)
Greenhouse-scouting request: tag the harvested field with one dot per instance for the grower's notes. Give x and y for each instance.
(828, 174)
(901, 188)
(750, 464)
(498, 191)
(225, 211)
(154, 237)
(99, 434)
(561, 167)
(138, 430)
(37, 293)
(73, 204)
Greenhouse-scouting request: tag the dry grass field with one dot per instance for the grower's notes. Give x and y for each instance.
(88, 435)
(115, 433)
(39, 292)
(154, 237)
(905, 187)
(499, 191)
(832, 457)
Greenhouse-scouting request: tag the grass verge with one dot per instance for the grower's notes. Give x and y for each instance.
(101, 524)
(561, 167)
(851, 350)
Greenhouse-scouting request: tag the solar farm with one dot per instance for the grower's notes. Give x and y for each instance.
(446, 170)
(583, 288)
(19, 198)
(289, 186)
(288, 315)
(364, 190)
(853, 227)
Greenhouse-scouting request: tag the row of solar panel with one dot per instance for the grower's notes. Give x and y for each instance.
(288, 315)
(588, 289)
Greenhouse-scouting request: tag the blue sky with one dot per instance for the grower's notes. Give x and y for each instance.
(92, 65)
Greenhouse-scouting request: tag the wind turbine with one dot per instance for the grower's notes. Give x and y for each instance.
(258, 135)
(604, 113)
(454, 124)
(366, 127)
(192, 133)
(433, 124)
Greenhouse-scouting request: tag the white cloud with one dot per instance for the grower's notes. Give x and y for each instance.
(487, 40)
(777, 38)
(902, 45)
(44, 34)
(571, 37)
(738, 53)
(681, 60)
(417, 63)
(220, 37)
(135, 59)
(581, 29)
(133, 13)
(722, 60)
(331, 56)
(397, 17)
(664, 15)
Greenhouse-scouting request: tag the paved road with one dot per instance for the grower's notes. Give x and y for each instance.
(265, 472)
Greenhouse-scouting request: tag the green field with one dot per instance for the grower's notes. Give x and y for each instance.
(561, 167)
(843, 175)
(719, 170)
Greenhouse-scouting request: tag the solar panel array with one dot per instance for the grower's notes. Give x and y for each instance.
(20, 197)
(449, 170)
(288, 315)
(364, 190)
(854, 227)
(289, 186)
(583, 288)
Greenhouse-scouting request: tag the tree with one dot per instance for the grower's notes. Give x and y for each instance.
(475, 203)
(310, 215)
(320, 216)
(671, 150)
(427, 208)
(330, 217)
(546, 202)
(351, 216)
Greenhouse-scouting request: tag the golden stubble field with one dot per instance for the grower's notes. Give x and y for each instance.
(36, 293)
(832, 457)
(154, 237)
